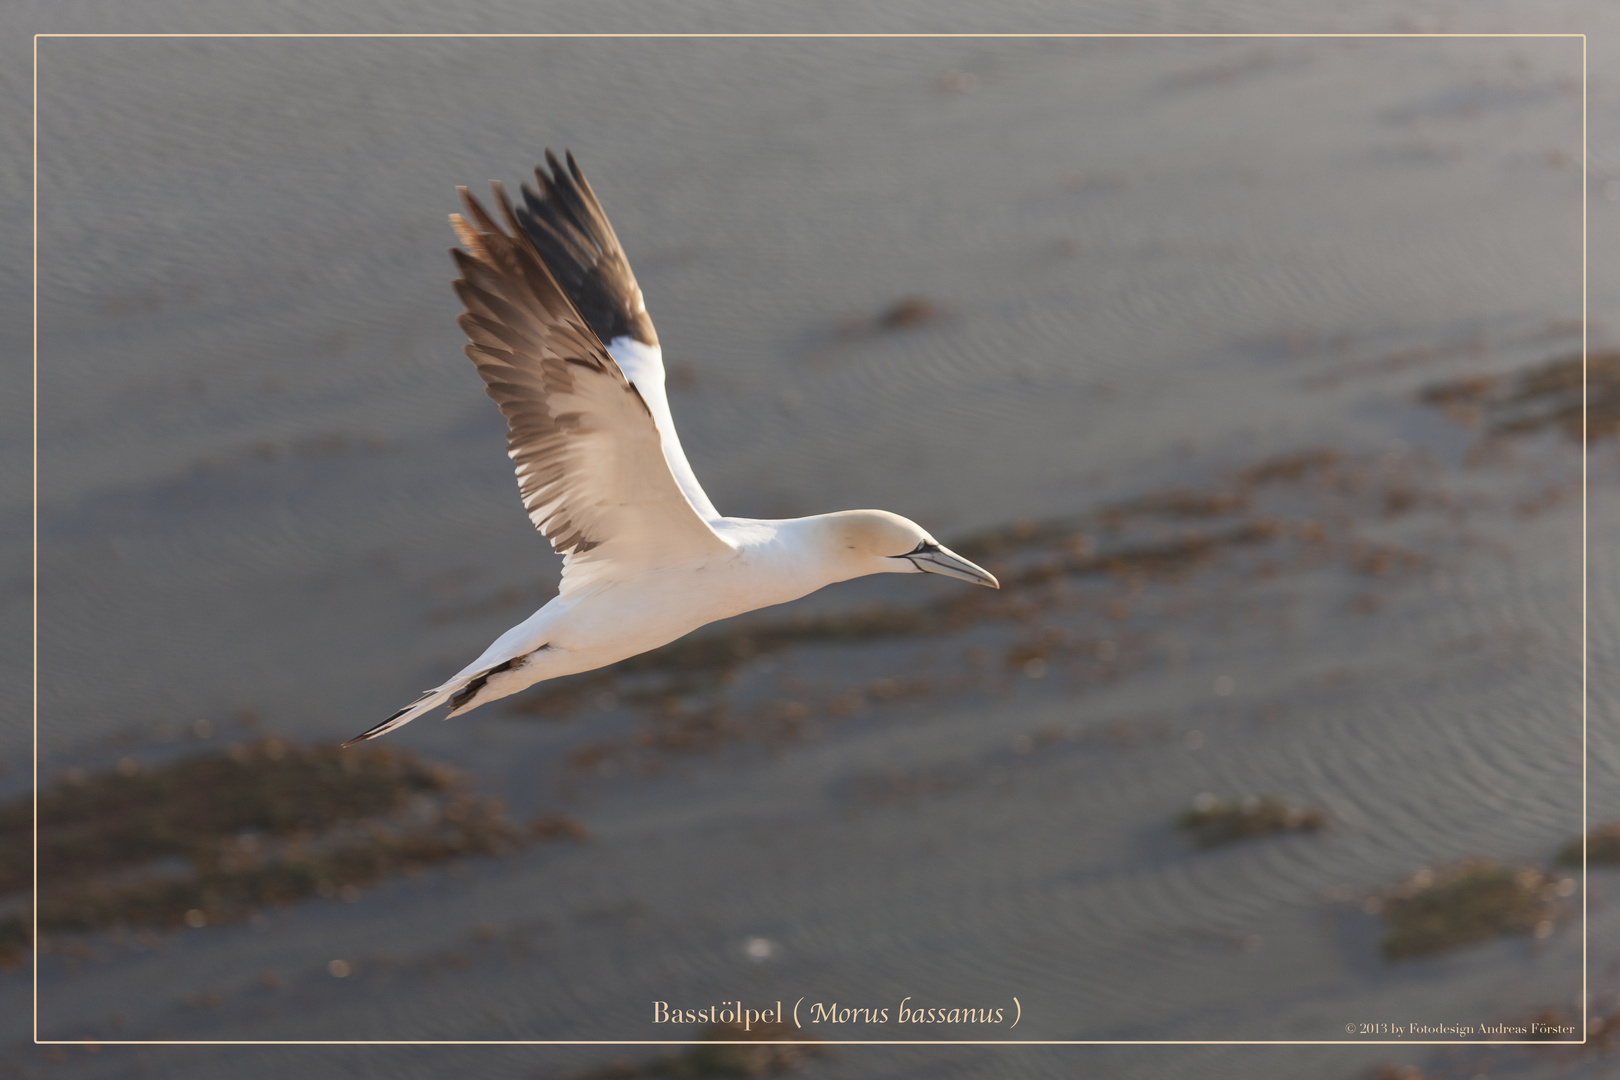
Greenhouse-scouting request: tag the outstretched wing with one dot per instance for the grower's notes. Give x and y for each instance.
(565, 222)
(587, 451)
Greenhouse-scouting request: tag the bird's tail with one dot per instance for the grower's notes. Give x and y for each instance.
(464, 691)
(429, 699)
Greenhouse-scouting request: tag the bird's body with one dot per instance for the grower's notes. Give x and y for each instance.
(618, 620)
(564, 344)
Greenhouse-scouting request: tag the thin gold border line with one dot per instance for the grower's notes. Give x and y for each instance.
(823, 1042)
(34, 616)
(361, 34)
(806, 1042)
(1585, 808)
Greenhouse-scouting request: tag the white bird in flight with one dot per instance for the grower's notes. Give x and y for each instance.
(564, 344)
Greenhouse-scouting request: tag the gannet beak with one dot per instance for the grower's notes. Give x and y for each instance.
(934, 559)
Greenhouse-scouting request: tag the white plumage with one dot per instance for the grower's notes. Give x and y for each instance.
(558, 331)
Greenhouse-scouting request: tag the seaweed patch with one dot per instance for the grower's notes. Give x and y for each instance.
(211, 838)
(1212, 822)
(1545, 396)
(1437, 911)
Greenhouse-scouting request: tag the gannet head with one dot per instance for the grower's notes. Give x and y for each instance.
(862, 542)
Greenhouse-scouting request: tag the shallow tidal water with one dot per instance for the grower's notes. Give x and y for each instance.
(273, 495)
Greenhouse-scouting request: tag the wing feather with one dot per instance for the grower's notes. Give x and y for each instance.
(572, 235)
(586, 450)
(571, 232)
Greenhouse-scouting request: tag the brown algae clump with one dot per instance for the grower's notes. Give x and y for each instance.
(1547, 395)
(1433, 912)
(908, 311)
(1602, 847)
(211, 837)
(13, 941)
(905, 313)
(1212, 822)
(91, 824)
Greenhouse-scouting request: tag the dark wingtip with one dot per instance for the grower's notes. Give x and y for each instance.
(382, 728)
(372, 732)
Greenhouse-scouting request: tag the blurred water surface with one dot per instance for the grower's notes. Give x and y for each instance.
(270, 483)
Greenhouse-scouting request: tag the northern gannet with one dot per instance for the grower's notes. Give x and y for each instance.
(561, 337)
